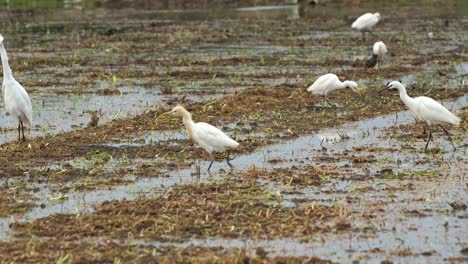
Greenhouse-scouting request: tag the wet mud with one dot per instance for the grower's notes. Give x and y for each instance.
(311, 184)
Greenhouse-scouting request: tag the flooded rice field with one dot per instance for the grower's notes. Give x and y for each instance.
(105, 177)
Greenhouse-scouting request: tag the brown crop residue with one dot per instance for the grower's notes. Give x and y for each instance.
(296, 176)
(230, 209)
(249, 80)
(52, 250)
(15, 200)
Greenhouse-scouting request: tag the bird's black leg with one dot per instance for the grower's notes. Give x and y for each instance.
(227, 160)
(212, 160)
(449, 137)
(429, 138)
(19, 131)
(363, 35)
(22, 130)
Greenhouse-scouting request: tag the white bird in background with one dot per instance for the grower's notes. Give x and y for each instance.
(365, 23)
(207, 136)
(328, 83)
(378, 55)
(17, 101)
(428, 110)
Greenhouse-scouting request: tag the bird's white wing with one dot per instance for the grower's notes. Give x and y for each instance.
(379, 48)
(212, 138)
(322, 84)
(365, 21)
(26, 99)
(433, 112)
(17, 101)
(384, 48)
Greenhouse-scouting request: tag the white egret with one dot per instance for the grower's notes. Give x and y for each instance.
(207, 136)
(428, 110)
(328, 83)
(379, 50)
(365, 23)
(17, 101)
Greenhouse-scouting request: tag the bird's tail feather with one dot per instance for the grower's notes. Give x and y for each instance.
(233, 144)
(26, 121)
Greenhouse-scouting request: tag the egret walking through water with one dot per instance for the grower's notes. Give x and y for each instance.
(207, 136)
(328, 83)
(378, 55)
(365, 23)
(17, 101)
(428, 110)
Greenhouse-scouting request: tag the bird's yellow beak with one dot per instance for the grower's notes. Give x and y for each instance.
(355, 90)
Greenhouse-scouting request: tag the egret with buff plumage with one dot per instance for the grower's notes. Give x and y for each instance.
(210, 138)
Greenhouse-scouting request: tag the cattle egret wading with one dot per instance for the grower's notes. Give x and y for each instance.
(428, 110)
(17, 101)
(207, 136)
(328, 83)
(365, 23)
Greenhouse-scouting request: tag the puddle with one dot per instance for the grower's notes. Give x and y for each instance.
(4, 228)
(462, 68)
(150, 137)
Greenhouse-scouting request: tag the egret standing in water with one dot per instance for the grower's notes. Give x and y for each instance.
(17, 101)
(328, 83)
(428, 110)
(365, 23)
(378, 56)
(207, 136)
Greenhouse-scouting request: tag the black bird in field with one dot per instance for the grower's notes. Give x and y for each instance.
(372, 61)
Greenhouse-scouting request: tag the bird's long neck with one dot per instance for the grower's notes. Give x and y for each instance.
(405, 98)
(188, 122)
(342, 85)
(7, 75)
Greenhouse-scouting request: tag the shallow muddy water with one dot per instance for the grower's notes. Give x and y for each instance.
(399, 203)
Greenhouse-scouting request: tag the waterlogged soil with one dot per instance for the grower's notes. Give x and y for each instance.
(105, 177)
